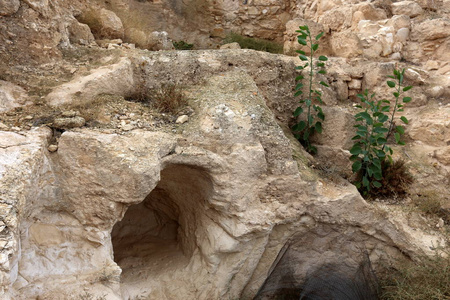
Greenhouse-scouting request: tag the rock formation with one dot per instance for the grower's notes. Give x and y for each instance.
(100, 195)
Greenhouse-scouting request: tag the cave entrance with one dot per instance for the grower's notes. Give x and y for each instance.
(157, 236)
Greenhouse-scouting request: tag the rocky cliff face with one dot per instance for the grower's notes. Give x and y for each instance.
(102, 195)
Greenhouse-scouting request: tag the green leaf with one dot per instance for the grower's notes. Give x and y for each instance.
(381, 141)
(298, 93)
(303, 57)
(376, 184)
(401, 143)
(378, 175)
(298, 86)
(300, 52)
(322, 72)
(320, 64)
(397, 137)
(304, 27)
(319, 36)
(300, 77)
(298, 111)
(315, 47)
(324, 84)
(396, 95)
(380, 153)
(323, 58)
(365, 181)
(356, 166)
(366, 117)
(299, 68)
(390, 76)
(400, 129)
(318, 127)
(321, 116)
(396, 73)
(404, 119)
(306, 135)
(302, 41)
(356, 150)
(299, 126)
(383, 118)
(406, 99)
(391, 84)
(407, 88)
(385, 108)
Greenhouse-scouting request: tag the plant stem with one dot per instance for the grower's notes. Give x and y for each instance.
(311, 75)
(391, 125)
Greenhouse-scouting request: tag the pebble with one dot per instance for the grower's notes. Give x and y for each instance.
(69, 114)
(182, 119)
(69, 122)
(3, 126)
(127, 127)
(28, 118)
(52, 148)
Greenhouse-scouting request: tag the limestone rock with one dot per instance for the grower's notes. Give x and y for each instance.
(432, 29)
(408, 8)
(80, 34)
(231, 46)
(104, 24)
(11, 96)
(182, 119)
(67, 123)
(115, 79)
(346, 44)
(9, 7)
(431, 128)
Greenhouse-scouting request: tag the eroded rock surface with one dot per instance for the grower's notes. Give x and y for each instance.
(209, 207)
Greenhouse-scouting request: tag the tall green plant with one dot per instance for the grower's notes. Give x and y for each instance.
(375, 124)
(304, 129)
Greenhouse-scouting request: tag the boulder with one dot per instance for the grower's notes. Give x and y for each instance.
(346, 44)
(11, 96)
(408, 8)
(80, 34)
(432, 29)
(114, 79)
(104, 24)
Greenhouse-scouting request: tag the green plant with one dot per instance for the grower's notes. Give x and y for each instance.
(253, 43)
(304, 130)
(370, 153)
(182, 45)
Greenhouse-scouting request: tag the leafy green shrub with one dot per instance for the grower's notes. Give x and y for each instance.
(182, 45)
(167, 98)
(304, 130)
(374, 127)
(426, 280)
(253, 43)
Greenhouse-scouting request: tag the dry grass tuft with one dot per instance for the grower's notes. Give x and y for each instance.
(168, 98)
(427, 280)
(396, 180)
